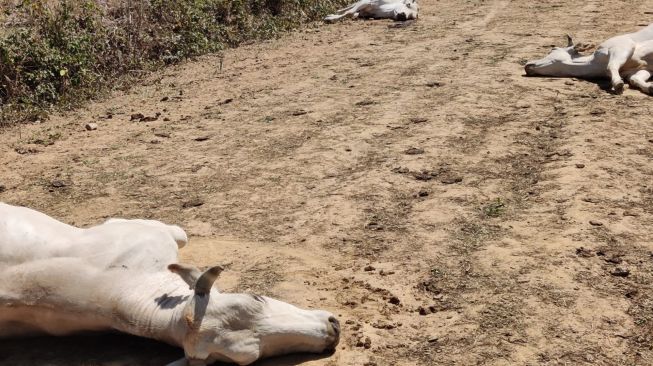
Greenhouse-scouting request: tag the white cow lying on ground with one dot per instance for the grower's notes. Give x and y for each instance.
(123, 275)
(378, 9)
(629, 55)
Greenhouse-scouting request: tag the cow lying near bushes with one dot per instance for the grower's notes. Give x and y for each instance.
(123, 275)
(378, 9)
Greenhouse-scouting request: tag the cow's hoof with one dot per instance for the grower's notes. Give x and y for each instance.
(619, 88)
(649, 90)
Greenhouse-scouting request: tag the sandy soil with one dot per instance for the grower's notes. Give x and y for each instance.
(412, 180)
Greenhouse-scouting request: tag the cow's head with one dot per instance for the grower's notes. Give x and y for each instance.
(554, 63)
(406, 10)
(242, 328)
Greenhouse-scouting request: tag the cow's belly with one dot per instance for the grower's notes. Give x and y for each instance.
(23, 321)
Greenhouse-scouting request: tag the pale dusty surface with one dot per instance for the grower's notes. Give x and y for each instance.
(303, 181)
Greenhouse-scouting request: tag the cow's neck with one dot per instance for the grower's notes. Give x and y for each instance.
(151, 306)
(585, 67)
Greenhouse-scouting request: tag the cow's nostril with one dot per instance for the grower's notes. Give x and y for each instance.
(335, 324)
(334, 334)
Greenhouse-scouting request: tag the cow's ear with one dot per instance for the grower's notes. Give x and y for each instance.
(206, 280)
(190, 274)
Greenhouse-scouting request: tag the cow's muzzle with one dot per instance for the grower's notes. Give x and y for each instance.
(334, 333)
(401, 17)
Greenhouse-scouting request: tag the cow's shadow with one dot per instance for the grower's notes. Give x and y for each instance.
(603, 83)
(107, 350)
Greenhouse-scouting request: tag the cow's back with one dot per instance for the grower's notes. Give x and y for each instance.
(27, 234)
(643, 35)
(129, 244)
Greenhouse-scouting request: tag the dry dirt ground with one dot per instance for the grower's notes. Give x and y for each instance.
(411, 180)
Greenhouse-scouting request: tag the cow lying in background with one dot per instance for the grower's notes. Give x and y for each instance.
(378, 9)
(123, 275)
(629, 56)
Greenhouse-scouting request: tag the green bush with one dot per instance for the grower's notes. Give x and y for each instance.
(55, 54)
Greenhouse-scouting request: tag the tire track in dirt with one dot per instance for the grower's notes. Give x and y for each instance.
(470, 231)
(490, 327)
(583, 339)
(545, 148)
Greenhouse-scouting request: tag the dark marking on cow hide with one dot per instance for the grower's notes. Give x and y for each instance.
(170, 302)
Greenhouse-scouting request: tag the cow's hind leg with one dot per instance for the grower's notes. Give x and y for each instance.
(617, 58)
(640, 81)
(350, 11)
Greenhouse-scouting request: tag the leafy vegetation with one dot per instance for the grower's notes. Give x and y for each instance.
(57, 53)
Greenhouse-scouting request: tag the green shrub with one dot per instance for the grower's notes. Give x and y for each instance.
(58, 53)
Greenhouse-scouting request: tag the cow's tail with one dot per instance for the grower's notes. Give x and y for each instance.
(333, 17)
(344, 10)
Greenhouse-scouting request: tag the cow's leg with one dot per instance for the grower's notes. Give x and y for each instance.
(617, 58)
(639, 80)
(350, 11)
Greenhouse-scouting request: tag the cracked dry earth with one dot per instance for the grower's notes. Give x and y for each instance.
(411, 180)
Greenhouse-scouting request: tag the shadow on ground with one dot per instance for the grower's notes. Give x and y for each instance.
(106, 350)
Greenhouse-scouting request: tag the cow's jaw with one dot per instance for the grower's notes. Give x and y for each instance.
(243, 328)
(285, 329)
(553, 64)
(408, 10)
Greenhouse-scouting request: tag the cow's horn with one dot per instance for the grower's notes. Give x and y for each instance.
(206, 280)
(570, 41)
(190, 274)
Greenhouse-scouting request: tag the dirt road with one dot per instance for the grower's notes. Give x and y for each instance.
(411, 180)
